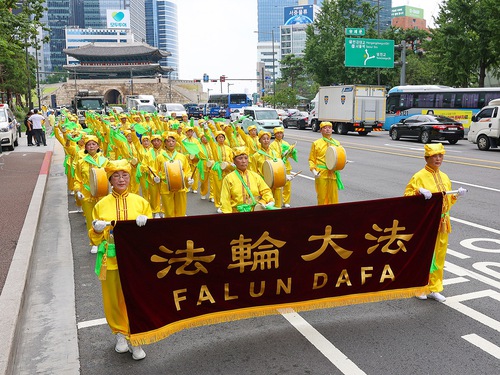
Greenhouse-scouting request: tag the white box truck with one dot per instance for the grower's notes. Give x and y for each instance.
(141, 103)
(350, 108)
(485, 127)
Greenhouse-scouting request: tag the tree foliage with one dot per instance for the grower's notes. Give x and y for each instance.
(18, 31)
(466, 42)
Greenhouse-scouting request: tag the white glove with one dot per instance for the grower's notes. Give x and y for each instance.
(289, 177)
(156, 179)
(190, 181)
(233, 165)
(270, 204)
(426, 193)
(205, 127)
(79, 195)
(99, 225)
(462, 191)
(141, 220)
(315, 173)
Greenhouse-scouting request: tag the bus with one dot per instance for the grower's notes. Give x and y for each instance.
(457, 103)
(230, 102)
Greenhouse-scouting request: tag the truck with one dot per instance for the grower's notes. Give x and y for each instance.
(485, 127)
(141, 103)
(350, 108)
(88, 100)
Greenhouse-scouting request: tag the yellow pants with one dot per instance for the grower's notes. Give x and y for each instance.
(113, 301)
(326, 190)
(174, 204)
(436, 277)
(287, 192)
(154, 197)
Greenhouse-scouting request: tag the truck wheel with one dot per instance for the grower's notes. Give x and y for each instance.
(425, 137)
(483, 143)
(341, 129)
(314, 126)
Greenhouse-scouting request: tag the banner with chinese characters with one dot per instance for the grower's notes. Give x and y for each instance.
(185, 272)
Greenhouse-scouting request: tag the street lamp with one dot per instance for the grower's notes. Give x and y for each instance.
(274, 64)
(229, 84)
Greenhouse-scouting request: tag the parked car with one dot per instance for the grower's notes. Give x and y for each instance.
(248, 121)
(193, 110)
(166, 109)
(298, 119)
(211, 110)
(236, 114)
(8, 128)
(282, 114)
(427, 128)
(267, 118)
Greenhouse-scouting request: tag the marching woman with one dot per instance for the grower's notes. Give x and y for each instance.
(265, 152)
(327, 182)
(92, 159)
(120, 204)
(173, 193)
(285, 151)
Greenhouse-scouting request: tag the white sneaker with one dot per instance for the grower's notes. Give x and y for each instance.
(121, 343)
(203, 197)
(211, 200)
(437, 296)
(137, 352)
(157, 216)
(287, 205)
(71, 192)
(219, 210)
(93, 250)
(195, 191)
(422, 296)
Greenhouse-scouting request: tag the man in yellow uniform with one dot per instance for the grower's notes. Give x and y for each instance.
(427, 181)
(327, 182)
(282, 147)
(242, 189)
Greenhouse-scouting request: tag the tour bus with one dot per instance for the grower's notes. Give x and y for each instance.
(230, 102)
(457, 103)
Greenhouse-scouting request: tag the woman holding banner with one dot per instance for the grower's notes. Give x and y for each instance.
(118, 205)
(425, 182)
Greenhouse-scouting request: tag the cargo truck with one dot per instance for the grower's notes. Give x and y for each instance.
(350, 108)
(88, 100)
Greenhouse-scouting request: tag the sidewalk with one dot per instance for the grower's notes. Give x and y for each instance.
(37, 305)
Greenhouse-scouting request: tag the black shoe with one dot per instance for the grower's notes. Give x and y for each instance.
(37, 145)
(31, 144)
(45, 145)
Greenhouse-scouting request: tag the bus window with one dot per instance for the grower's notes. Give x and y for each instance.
(487, 97)
(470, 100)
(424, 100)
(405, 101)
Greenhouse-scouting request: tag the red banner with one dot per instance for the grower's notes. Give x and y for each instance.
(185, 272)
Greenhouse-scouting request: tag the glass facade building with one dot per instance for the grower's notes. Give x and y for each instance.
(161, 31)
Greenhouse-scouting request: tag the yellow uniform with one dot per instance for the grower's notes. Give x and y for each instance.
(257, 165)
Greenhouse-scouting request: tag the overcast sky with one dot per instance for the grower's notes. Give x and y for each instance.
(217, 37)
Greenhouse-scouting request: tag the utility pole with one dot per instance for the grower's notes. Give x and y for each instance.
(274, 73)
(402, 79)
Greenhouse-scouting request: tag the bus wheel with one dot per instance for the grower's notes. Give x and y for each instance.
(483, 143)
(425, 137)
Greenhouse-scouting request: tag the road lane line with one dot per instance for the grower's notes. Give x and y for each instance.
(476, 186)
(91, 323)
(475, 225)
(455, 280)
(457, 254)
(483, 344)
(334, 355)
(460, 271)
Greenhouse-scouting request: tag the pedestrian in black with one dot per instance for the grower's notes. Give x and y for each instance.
(29, 130)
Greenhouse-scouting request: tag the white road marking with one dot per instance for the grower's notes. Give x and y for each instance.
(483, 344)
(456, 254)
(463, 272)
(476, 186)
(475, 225)
(334, 355)
(454, 280)
(91, 323)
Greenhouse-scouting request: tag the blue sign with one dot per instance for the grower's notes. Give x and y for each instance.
(298, 15)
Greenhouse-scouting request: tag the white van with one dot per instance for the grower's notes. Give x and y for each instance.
(166, 109)
(267, 118)
(485, 127)
(8, 128)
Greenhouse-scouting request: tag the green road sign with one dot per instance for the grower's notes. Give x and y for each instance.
(353, 31)
(369, 53)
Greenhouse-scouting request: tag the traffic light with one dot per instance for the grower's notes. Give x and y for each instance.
(213, 80)
(205, 77)
(223, 78)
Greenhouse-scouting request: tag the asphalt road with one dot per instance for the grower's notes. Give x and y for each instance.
(460, 336)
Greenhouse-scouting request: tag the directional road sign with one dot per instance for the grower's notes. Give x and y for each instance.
(369, 53)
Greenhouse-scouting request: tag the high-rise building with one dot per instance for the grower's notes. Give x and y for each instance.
(162, 31)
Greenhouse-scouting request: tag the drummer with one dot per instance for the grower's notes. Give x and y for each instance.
(327, 182)
(173, 202)
(265, 152)
(191, 148)
(92, 159)
(243, 189)
(282, 148)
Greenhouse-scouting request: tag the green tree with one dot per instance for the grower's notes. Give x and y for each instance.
(324, 52)
(465, 43)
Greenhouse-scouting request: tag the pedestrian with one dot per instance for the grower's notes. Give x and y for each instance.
(120, 204)
(244, 189)
(430, 180)
(327, 182)
(29, 130)
(37, 121)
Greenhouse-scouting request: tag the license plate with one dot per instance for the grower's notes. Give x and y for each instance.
(452, 128)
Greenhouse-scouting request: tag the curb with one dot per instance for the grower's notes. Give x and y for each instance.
(13, 293)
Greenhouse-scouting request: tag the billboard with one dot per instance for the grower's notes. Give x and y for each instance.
(407, 11)
(303, 14)
(118, 19)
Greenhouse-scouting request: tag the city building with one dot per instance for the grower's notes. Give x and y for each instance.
(406, 17)
(162, 31)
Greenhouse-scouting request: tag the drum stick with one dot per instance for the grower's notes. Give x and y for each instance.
(154, 175)
(194, 171)
(295, 174)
